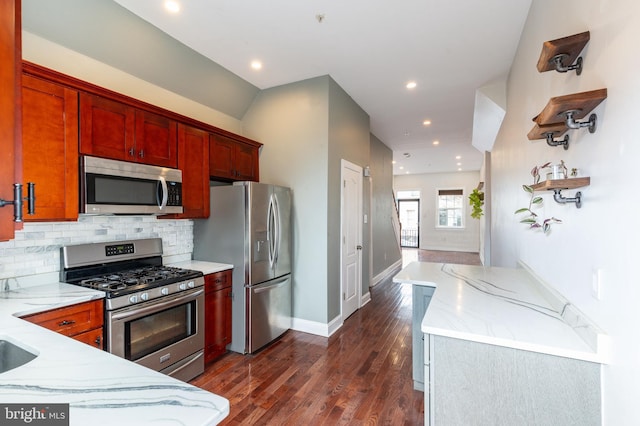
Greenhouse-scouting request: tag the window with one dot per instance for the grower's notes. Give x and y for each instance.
(450, 208)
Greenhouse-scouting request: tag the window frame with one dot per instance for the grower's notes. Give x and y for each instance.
(462, 208)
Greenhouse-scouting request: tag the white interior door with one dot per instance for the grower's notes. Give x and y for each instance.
(351, 248)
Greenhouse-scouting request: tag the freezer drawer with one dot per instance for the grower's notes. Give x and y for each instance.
(268, 312)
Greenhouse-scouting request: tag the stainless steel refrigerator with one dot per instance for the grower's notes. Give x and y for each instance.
(250, 227)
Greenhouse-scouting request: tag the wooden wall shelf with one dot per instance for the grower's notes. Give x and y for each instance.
(569, 47)
(555, 184)
(541, 131)
(582, 103)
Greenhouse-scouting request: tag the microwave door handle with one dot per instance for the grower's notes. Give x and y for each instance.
(162, 186)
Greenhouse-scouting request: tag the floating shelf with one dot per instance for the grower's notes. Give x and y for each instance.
(553, 184)
(561, 53)
(541, 131)
(580, 104)
(557, 185)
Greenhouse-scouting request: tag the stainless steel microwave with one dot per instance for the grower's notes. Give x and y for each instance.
(121, 187)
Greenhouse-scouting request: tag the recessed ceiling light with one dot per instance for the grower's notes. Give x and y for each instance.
(401, 167)
(407, 172)
(411, 85)
(393, 162)
(459, 169)
(256, 65)
(426, 123)
(172, 6)
(458, 157)
(436, 142)
(458, 164)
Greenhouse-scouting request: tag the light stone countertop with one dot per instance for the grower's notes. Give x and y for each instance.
(101, 388)
(199, 265)
(504, 307)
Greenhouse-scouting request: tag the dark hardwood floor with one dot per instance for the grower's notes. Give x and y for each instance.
(361, 375)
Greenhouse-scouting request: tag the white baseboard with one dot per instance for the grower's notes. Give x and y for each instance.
(366, 298)
(386, 273)
(317, 328)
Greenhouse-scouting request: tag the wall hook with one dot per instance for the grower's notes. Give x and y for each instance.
(558, 61)
(573, 124)
(559, 198)
(551, 142)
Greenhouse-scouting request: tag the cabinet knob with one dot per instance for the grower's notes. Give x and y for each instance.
(98, 341)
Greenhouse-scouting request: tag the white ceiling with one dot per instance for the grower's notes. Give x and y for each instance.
(371, 48)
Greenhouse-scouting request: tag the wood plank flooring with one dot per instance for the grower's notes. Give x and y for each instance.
(361, 375)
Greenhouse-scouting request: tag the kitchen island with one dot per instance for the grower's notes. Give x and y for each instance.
(101, 388)
(502, 347)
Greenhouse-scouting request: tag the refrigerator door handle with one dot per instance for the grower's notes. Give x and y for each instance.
(270, 287)
(273, 231)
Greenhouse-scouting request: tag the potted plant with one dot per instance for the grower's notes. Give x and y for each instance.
(532, 218)
(476, 201)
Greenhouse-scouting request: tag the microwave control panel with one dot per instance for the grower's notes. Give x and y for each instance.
(174, 194)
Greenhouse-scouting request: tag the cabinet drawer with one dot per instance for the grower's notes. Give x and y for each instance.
(71, 320)
(92, 337)
(218, 280)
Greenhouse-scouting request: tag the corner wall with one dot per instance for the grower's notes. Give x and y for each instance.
(601, 236)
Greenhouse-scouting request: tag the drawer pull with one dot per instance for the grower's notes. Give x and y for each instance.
(66, 322)
(98, 341)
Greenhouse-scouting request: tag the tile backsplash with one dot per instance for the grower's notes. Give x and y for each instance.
(36, 248)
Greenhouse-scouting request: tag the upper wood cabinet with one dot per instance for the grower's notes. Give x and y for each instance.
(10, 55)
(233, 159)
(50, 137)
(116, 130)
(193, 147)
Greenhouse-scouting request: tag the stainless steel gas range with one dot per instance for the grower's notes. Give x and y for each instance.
(154, 314)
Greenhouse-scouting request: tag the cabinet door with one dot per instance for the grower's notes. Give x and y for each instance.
(106, 128)
(50, 148)
(156, 140)
(246, 162)
(193, 147)
(93, 338)
(221, 157)
(217, 314)
(10, 63)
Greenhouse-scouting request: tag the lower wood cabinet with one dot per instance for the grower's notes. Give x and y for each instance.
(82, 321)
(217, 314)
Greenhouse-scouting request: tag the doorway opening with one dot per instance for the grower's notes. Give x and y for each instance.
(409, 212)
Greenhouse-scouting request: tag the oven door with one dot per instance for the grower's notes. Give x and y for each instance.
(165, 334)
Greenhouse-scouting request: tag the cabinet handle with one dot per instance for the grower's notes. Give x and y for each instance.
(66, 322)
(132, 152)
(98, 341)
(218, 281)
(141, 153)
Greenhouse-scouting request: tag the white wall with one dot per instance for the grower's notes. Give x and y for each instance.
(602, 235)
(431, 237)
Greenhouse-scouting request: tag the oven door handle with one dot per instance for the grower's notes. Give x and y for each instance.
(155, 307)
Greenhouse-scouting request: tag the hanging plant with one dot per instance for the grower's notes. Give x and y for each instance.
(476, 201)
(531, 217)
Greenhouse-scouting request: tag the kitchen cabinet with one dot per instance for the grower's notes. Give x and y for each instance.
(217, 314)
(50, 113)
(82, 321)
(421, 298)
(233, 159)
(193, 146)
(112, 129)
(476, 383)
(10, 63)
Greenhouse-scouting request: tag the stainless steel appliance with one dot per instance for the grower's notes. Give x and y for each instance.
(249, 227)
(121, 187)
(154, 314)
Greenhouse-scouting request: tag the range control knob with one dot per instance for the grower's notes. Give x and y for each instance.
(144, 296)
(191, 284)
(133, 299)
(182, 286)
(164, 291)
